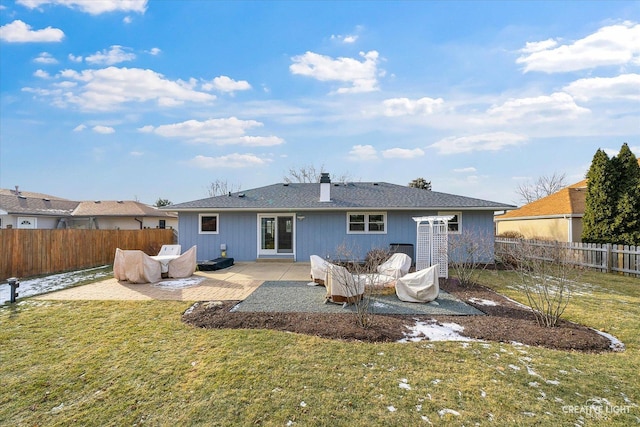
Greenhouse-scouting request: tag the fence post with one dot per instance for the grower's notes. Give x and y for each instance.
(608, 257)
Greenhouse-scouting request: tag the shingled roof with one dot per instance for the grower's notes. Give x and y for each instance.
(26, 203)
(343, 196)
(113, 208)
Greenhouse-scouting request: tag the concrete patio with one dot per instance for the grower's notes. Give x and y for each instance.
(234, 283)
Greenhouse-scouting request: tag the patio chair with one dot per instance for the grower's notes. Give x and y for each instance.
(319, 269)
(136, 267)
(170, 250)
(183, 266)
(396, 266)
(342, 286)
(421, 286)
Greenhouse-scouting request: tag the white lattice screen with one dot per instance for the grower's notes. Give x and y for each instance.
(432, 243)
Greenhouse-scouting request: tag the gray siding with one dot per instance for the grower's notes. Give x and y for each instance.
(319, 233)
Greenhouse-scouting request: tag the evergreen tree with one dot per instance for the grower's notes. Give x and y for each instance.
(600, 200)
(421, 183)
(626, 223)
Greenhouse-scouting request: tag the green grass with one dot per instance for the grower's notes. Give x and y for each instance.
(131, 363)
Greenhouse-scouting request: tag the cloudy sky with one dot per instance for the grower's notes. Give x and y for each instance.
(145, 99)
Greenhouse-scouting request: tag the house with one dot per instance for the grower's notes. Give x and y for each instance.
(291, 221)
(557, 216)
(22, 209)
(121, 214)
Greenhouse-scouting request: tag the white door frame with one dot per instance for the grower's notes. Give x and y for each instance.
(276, 250)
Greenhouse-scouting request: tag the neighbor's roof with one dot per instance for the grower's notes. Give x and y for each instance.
(344, 196)
(26, 203)
(567, 201)
(119, 208)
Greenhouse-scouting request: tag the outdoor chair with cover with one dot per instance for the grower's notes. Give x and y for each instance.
(396, 266)
(421, 286)
(170, 250)
(183, 266)
(135, 267)
(319, 269)
(342, 286)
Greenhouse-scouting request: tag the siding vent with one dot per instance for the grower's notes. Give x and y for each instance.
(241, 195)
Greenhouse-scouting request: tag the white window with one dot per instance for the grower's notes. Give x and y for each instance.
(208, 224)
(366, 222)
(455, 224)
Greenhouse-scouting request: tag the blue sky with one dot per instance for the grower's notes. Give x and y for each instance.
(137, 99)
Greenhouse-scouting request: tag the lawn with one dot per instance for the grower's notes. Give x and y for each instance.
(132, 363)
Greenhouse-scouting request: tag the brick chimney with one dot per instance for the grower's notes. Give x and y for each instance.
(325, 187)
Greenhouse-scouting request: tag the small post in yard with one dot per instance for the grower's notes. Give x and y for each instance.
(14, 284)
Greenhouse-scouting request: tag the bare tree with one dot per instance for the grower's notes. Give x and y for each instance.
(311, 174)
(542, 187)
(220, 188)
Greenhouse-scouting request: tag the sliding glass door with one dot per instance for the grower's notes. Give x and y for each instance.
(276, 234)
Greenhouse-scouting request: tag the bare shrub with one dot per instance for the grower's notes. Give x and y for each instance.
(469, 254)
(511, 235)
(545, 275)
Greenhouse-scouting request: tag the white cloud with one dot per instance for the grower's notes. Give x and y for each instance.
(484, 142)
(114, 55)
(45, 58)
(348, 39)
(546, 108)
(470, 169)
(105, 130)
(127, 20)
(362, 76)
(74, 58)
(109, 88)
(79, 128)
(234, 160)
(363, 153)
(93, 7)
(402, 153)
(625, 86)
(612, 45)
(406, 106)
(155, 51)
(226, 84)
(41, 74)
(136, 153)
(220, 131)
(19, 32)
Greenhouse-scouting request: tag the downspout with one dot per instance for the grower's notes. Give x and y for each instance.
(570, 229)
(140, 221)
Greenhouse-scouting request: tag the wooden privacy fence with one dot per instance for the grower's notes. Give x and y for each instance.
(26, 253)
(603, 257)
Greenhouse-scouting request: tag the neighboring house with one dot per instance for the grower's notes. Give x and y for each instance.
(292, 221)
(554, 217)
(122, 214)
(22, 209)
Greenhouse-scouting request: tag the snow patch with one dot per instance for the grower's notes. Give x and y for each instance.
(481, 301)
(176, 284)
(434, 331)
(614, 343)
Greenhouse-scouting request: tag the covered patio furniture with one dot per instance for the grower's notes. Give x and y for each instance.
(421, 286)
(342, 286)
(396, 266)
(319, 269)
(136, 267)
(184, 265)
(170, 250)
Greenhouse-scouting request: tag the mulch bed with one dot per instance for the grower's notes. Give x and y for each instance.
(505, 322)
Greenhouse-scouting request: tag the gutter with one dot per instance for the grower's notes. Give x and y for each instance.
(140, 221)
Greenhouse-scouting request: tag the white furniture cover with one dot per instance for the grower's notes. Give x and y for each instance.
(342, 286)
(135, 267)
(396, 266)
(421, 286)
(319, 269)
(170, 250)
(185, 265)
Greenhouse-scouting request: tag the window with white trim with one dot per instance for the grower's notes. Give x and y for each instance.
(455, 224)
(208, 224)
(366, 223)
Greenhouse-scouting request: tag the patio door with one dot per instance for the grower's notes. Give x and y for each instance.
(276, 234)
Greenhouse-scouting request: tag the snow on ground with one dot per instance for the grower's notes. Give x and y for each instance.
(434, 331)
(176, 284)
(56, 282)
(481, 301)
(614, 343)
